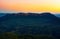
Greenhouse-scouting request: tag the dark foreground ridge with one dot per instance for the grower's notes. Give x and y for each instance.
(30, 26)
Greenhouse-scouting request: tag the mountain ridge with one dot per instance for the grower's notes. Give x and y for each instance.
(30, 23)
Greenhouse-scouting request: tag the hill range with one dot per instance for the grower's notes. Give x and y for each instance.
(31, 23)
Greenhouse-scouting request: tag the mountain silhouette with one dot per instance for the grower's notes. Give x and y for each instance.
(31, 23)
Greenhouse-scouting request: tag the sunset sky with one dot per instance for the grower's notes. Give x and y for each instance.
(30, 6)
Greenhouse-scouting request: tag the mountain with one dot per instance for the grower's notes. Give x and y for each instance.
(58, 15)
(2, 14)
(31, 23)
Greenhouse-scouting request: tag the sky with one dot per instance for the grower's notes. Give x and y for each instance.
(29, 6)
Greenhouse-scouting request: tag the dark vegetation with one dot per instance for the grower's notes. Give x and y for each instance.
(29, 26)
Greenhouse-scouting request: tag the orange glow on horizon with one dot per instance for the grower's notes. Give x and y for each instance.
(32, 7)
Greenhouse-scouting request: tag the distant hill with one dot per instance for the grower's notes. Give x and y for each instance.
(2, 14)
(58, 15)
(31, 23)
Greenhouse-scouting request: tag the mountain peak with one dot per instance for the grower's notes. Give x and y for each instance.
(46, 13)
(31, 14)
(42, 15)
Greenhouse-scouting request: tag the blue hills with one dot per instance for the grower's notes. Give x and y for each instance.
(31, 23)
(58, 15)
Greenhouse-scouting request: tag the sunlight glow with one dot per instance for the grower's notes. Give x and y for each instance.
(31, 5)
